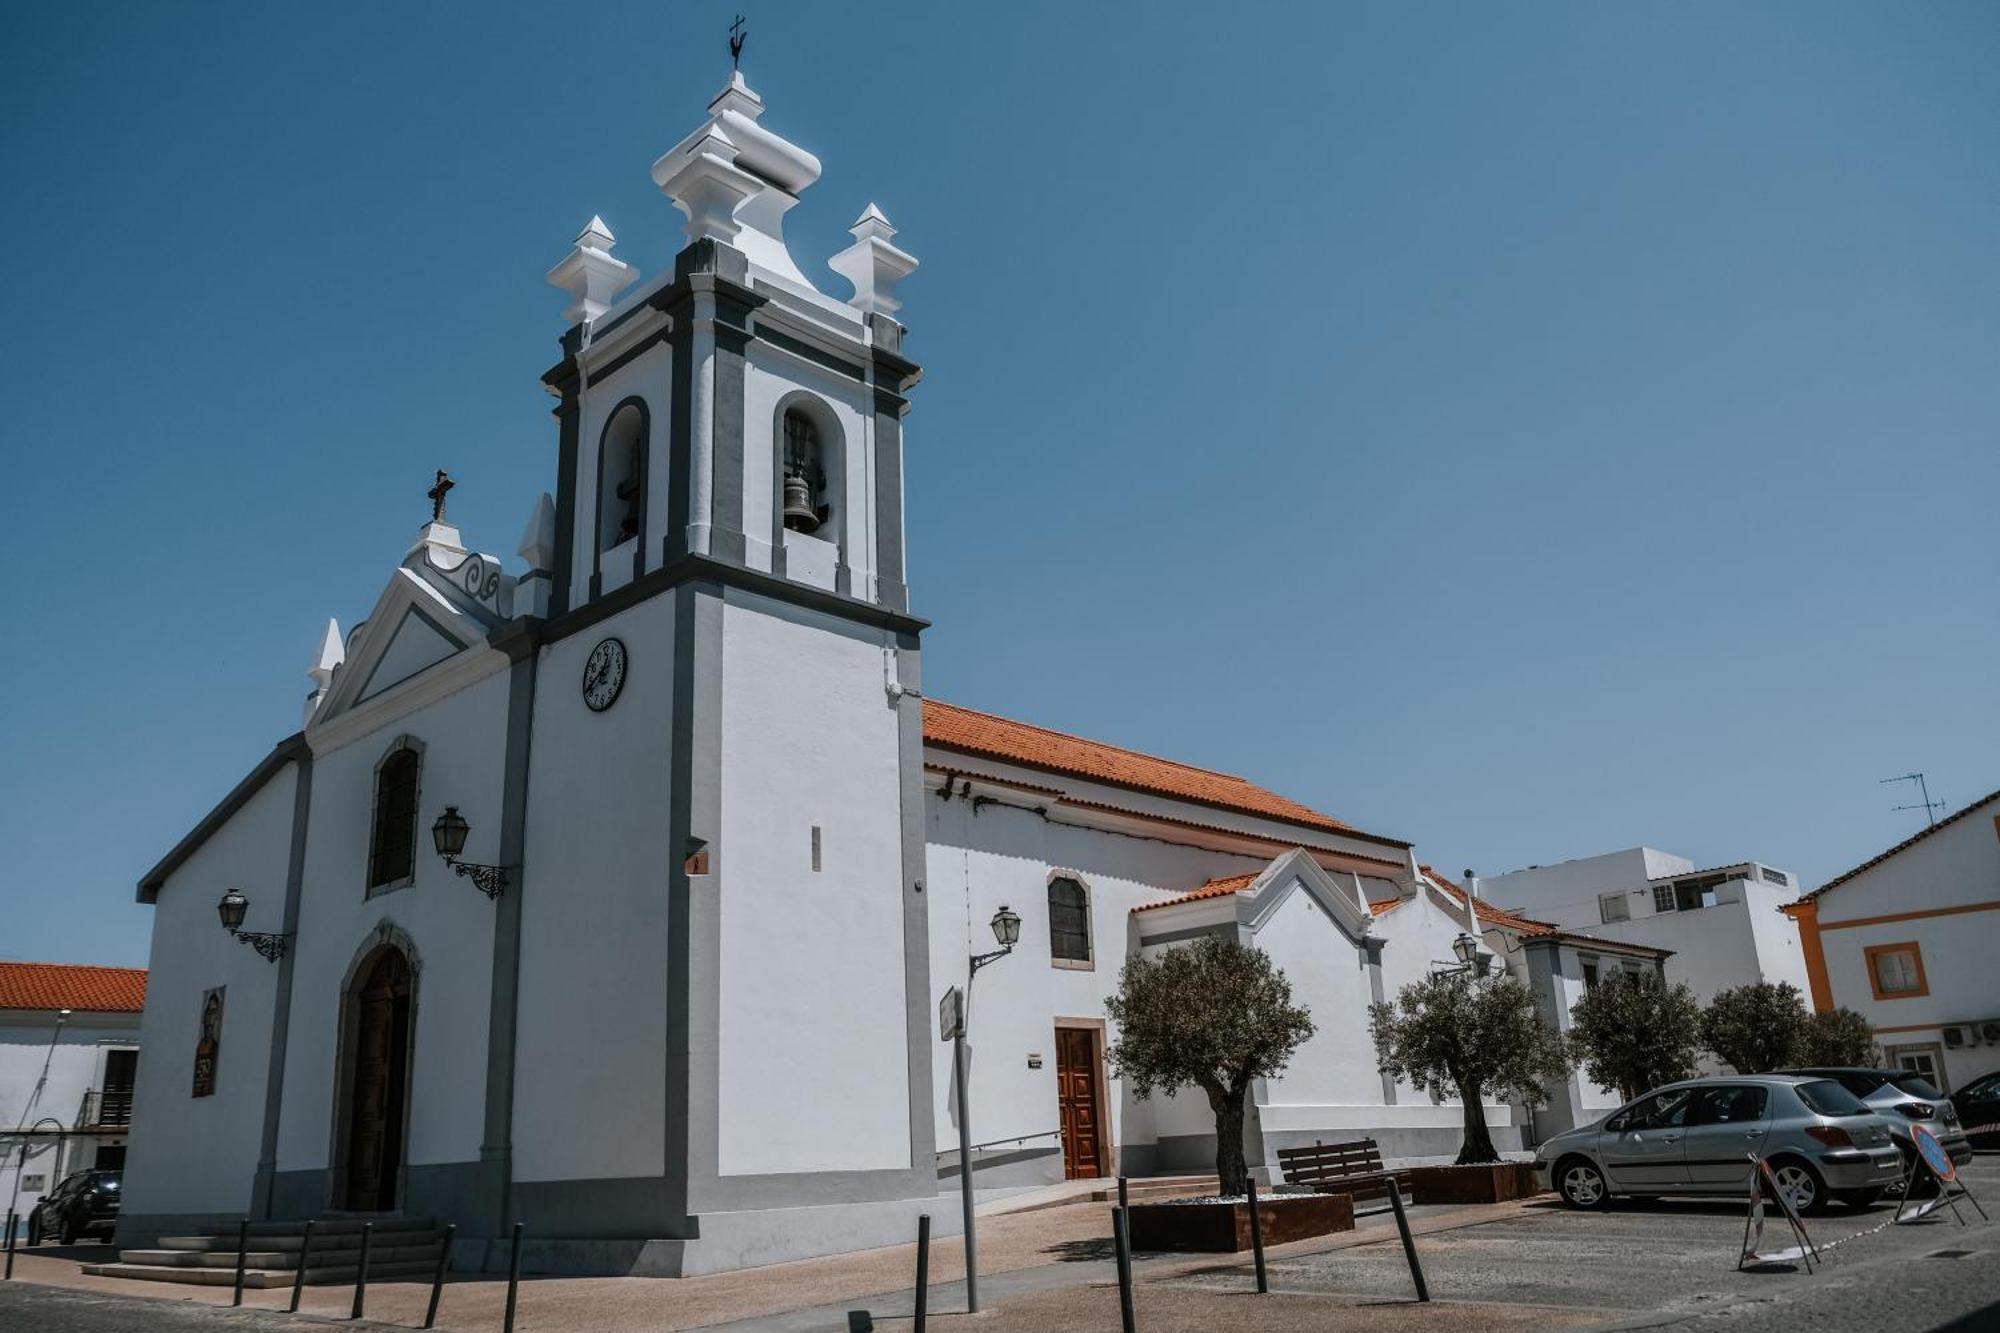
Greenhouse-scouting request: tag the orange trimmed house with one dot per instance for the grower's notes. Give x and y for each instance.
(69, 1049)
(1908, 937)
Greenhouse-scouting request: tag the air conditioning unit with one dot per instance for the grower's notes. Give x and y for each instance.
(1957, 1036)
(1989, 1031)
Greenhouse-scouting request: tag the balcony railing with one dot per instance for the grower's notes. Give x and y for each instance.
(108, 1106)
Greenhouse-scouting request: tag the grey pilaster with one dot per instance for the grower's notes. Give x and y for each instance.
(281, 1006)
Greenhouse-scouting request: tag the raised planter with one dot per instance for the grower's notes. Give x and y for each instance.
(1492, 1182)
(1225, 1227)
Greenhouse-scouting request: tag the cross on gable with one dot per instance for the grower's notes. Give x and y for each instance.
(437, 492)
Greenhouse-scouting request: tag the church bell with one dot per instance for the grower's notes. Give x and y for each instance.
(800, 516)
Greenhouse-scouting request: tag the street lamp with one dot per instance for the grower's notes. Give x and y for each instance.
(448, 835)
(1007, 930)
(1471, 958)
(231, 909)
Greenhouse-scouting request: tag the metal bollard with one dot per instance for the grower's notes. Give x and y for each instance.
(923, 1268)
(1122, 1239)
(10, 1245)
(1409, 1245)
(860, 1321)
(361, 1273)
(437, 1278)
(1257, 1238)
(305, 1254)
(513, 1279)
(242, 1258)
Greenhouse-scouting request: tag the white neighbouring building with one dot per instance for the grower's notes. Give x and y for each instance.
(69, 1045)
(740, 854)
(1724, 925)
(1908, 940)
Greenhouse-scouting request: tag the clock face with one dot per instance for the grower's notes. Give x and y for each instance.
(604, 675)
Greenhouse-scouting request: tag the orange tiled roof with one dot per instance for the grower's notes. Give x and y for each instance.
(72, 986)
(953, 728)
(1215, 888)
(1383, 906)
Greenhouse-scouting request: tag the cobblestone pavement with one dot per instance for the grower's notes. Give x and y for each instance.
(1671, 1264)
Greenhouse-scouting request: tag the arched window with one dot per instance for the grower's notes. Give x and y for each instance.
(392, 849)
(805, 474)
(621, 477)
(1069, 921)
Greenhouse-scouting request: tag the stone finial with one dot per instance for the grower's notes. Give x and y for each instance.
(590, 274)
(538, 539)
(332, 652)
(705, 184)
(736, 180)
(873, 264)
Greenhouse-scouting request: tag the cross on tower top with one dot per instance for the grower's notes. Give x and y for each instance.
(736, 38)
(437, 492)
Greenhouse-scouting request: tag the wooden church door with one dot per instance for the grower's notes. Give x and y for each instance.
(1078, 1095)
(381, 1064)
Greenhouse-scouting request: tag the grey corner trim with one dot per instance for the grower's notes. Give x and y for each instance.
(680, 442)
(669, 1194)
(916, 915)
(569, 415)
(281, 1004)
(1377, 994)
(696, 927)
(891, 588)
(284, 752)
(692, 567)
(491, 1193)
(726, 426)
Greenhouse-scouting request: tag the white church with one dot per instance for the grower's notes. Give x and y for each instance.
(613, 889)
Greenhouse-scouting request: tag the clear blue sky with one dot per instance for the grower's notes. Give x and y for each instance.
(1528, 430)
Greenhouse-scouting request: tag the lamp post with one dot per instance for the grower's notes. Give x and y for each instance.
(231, 909)
(1007, 930)
(448, 836)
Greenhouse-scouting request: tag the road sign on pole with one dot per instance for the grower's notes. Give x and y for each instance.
(951, 1015)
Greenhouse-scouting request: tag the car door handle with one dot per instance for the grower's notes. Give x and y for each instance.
(1670, 1138)
(1753, 1133)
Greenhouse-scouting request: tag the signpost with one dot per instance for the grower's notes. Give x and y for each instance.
(1931, 1159)
(1763, 1185)
(951, 1028)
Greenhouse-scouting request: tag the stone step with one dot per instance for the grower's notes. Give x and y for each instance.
(259, 1277)
(402, 1234)
(1159, 1187)
(424, 1248)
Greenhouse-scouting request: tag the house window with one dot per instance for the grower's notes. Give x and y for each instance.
(1896, 971)
(1777, 877)
(621, 477)
(1069, 921)
(392, 850)
(805, 507)
(1613, 907)
(1663, 897)
(1590, 974)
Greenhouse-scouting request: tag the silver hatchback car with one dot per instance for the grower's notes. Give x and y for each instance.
(1701, 1136)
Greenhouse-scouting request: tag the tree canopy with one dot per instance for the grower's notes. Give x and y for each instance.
(1837, 1037)
(1213, 1014)
(1633, 1031)
(1756, 1028)
(1455, 1035)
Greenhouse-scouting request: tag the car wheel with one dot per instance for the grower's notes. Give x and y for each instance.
(66, 1233)
(1859, 1199)
(1581, 1183)
(1800, 1184)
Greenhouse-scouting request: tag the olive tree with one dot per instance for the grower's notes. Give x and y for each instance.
(1452, 1034)
(1837, 1037)
(1755, 1028)
(1214, 1015)
(1633, 1031)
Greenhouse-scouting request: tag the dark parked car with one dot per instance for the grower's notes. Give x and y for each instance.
(84, 1202)
(1978, 1106)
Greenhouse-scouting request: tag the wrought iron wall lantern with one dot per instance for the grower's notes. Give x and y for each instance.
(448, 834)
(1006, 929)
(1471, 958)
(231, 909)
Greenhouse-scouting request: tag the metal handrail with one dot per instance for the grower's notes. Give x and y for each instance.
(1011, 1138)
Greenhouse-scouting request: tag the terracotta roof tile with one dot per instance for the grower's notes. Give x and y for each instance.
(1911, 841)
(950, 727)
(1215, 888)
(72, 986)
(1383, 906)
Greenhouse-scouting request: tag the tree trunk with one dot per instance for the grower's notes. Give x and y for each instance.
(1478, 1143)
(1230, 1169)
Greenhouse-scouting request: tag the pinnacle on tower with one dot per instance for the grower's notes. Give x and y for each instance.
(591, 274)
(873, 264)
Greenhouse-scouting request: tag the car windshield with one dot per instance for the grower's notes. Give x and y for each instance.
(1823, 1096)
(1860, 1082)
(1917, 1086)
(106, 1180)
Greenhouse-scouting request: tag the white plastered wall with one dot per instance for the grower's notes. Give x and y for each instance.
(593, 984)
(46, 1071)
(812, 1048)
(192, 1154)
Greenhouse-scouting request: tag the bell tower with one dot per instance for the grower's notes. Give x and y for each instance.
(730, 505)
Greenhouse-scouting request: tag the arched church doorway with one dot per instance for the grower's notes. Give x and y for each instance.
(378, 1072)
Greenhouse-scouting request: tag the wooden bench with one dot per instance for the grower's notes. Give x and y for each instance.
(1341, 1168)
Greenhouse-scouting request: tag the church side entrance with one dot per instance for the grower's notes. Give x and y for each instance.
(1080, 1101)
(378, 1082)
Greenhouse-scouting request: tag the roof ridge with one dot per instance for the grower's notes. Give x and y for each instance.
(1087, 740)
(95, 967)
(1882, 856)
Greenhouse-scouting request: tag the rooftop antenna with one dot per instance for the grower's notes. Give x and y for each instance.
(736, 39)
(1924, 803)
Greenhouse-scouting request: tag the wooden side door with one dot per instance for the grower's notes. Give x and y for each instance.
(1079, 1098)
(375, 1112)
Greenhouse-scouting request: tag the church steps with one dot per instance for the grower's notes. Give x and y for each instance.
(288, 1259)
(398, 1248)
(259, 1278)
(321, 1242)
